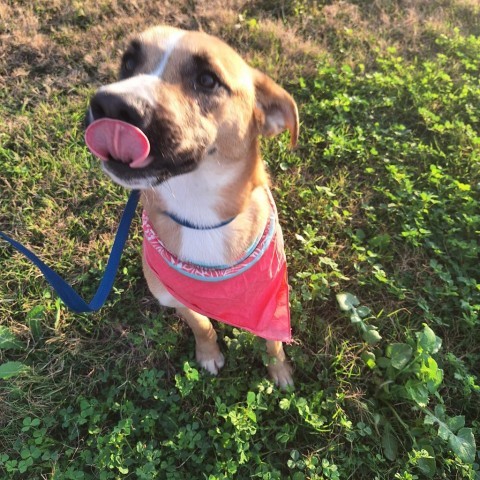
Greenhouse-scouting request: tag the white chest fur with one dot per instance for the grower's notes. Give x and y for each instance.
(196, 197)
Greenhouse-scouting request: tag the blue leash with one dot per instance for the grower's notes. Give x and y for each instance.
(69, 296)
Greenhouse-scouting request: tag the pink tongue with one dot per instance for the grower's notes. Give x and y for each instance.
(109, 139)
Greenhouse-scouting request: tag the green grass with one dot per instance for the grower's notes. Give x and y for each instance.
(380, 209)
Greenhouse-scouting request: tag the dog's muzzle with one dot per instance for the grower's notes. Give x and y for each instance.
(116, 123)
(135, 134)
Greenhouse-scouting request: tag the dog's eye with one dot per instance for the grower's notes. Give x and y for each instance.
(131, 59)
(129, 64)
(208, 81)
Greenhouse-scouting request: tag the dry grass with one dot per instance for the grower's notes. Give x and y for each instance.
(53, 45)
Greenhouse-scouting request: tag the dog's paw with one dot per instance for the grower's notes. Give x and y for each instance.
(212, 363)
(281, 374)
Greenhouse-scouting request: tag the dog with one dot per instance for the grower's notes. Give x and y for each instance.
(182, 125)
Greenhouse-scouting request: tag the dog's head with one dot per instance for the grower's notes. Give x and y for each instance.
(190, 97)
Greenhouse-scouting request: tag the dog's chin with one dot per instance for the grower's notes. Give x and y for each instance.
(144, 178)
(134, 179)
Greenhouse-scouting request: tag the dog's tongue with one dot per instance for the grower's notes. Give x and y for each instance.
(108, 139)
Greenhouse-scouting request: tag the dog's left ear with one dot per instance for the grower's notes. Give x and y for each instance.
(276, 110)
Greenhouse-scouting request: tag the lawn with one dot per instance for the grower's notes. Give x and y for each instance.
(380, 206)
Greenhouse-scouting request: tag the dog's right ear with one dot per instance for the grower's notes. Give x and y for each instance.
(275, 109)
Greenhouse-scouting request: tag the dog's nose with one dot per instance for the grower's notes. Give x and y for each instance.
(121, 106)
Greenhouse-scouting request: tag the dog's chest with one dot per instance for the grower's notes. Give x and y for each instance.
(196, 197)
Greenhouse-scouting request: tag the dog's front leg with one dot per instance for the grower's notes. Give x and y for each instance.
(279, 367)
(208, 353)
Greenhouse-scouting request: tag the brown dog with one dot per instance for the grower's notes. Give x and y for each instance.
(182, 125)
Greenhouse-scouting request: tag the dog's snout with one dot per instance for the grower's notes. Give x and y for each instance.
(121, 106)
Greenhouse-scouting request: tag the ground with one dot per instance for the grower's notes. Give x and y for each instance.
(380, 210)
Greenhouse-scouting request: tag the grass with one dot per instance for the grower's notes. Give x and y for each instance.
(380, 209)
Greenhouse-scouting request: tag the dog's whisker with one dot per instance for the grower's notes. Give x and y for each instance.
(169, 186)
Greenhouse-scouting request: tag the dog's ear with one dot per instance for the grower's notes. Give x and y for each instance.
(276, 110)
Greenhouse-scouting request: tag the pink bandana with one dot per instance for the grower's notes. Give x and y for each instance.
(252, 294)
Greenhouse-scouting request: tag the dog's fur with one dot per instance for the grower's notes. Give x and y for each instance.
(203, 109)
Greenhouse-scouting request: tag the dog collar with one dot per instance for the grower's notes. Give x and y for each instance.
(186, 223)
(210, 273)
